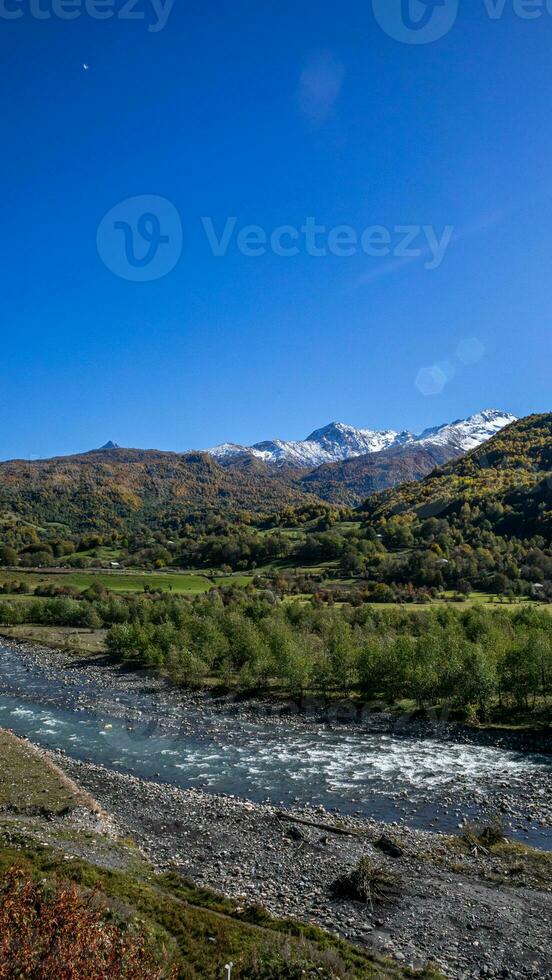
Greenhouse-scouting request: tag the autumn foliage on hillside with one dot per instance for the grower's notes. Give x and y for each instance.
(506, 481)
(121, 488)
(59, 933)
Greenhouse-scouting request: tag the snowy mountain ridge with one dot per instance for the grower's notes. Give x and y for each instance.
(337, 441)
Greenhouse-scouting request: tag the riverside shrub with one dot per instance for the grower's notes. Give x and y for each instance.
(60, 934)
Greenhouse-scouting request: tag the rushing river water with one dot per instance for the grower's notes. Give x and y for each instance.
(426, 782)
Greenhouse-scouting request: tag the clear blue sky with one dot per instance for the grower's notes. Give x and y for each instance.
(270, 112)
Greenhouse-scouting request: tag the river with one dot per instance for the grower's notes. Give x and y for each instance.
(107, 717)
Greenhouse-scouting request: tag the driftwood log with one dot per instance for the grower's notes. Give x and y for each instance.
(329, 828)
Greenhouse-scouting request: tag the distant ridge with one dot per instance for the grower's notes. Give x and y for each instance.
(337, 442)
(116, 487)
(503, 486)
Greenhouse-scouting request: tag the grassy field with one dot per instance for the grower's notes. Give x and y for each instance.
(474, 599)
(58, 637)
(181, 583)
(193, 583)
(29, 784)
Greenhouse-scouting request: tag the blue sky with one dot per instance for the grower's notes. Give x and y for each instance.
(272, 114)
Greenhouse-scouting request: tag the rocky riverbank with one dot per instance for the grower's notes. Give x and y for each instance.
(474, 914)
(475, 911)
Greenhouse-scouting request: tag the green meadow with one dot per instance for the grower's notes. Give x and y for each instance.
(180, 583)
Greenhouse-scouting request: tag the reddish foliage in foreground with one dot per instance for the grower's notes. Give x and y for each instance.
(60, 934)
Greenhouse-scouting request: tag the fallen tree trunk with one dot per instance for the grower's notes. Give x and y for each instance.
(289, 818)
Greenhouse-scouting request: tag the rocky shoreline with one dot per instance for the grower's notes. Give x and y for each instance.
(454, 908)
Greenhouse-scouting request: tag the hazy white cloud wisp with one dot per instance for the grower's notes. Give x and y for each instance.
(319, 86)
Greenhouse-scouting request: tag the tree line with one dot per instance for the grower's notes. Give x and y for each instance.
(476, 660)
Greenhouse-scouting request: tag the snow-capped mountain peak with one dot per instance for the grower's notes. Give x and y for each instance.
(466, 434)
(337, 441)
(337, 436)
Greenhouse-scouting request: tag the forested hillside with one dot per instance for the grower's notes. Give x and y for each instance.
(482, 523)
(504, 485)
(122, 488)
(349, 482)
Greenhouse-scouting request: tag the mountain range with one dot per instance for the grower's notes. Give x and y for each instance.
(117, 487)
(337, 442)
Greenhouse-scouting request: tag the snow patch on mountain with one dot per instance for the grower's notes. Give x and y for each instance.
(466, 434)
(337, 441)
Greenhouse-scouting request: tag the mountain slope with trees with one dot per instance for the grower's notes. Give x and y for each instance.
(124, 487)
(483, 522)
(349, 482)
(118, 489)
(505, 484)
